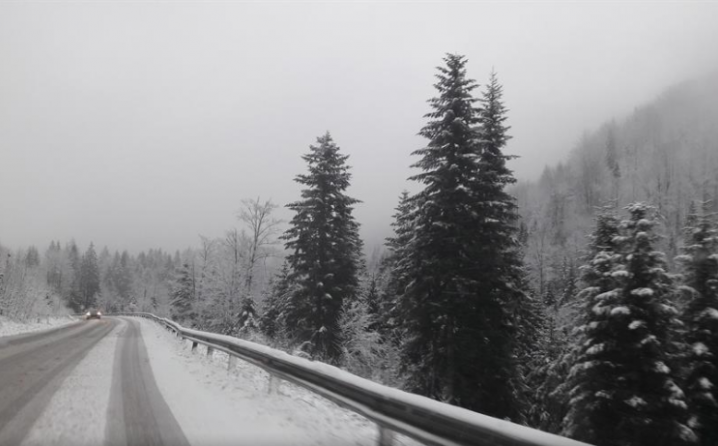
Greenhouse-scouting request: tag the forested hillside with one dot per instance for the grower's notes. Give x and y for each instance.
(665, 154)
(612, 275)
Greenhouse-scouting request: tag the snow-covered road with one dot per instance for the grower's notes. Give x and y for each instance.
(122, 381)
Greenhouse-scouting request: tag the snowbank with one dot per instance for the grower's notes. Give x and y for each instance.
(216, 406)
(10, 327)
(487, 427)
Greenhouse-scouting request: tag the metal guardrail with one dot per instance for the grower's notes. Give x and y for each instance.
(423, 419)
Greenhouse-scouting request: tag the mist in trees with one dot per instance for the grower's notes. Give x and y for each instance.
(584, 304)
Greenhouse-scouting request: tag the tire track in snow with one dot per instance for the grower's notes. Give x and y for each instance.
(76, 414)
(31, 373)
(138, 414)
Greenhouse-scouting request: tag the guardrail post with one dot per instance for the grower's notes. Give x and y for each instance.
(194, 345)
(273, 385)
(209, 351)
(386, 436)
(231, 362)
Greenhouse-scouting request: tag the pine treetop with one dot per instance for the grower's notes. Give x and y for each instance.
(450, 130)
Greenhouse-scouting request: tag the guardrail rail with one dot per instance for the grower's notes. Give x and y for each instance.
(394, 411)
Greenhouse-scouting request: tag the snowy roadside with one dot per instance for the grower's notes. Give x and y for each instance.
(214, 406)
(77, 413)
(10, 327)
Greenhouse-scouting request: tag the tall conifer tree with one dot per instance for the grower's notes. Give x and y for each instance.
(325, 252)
(463, 270)
(181, 296)
(271, 321)
(89, 278)
(397, 269)
(74, 298)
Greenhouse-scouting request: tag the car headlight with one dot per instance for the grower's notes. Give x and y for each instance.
(88, 313)
(99, 313)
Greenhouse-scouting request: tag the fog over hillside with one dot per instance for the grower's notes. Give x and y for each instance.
(665, 153)
(141, 125)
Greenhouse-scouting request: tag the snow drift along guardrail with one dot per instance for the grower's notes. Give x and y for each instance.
(426, 420)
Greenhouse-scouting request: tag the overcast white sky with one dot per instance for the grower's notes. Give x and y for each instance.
(139, 125)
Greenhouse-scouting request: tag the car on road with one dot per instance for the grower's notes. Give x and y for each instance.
(93, 314)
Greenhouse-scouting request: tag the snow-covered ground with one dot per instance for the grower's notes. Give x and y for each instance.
(9, 327)
(217, 406)
(77, 412)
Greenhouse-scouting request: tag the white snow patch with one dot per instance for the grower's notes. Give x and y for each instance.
(9, 327)
(643, 292)
(678, 403)
(657, 269)
(636, 324)
(650, 339)
(77, 412)
(607, 295)
(599, 310)
(661, 367)
(215, 406)
(710, 313)
(595, 349)
(620, 274)
(705, 383)
(676, 391)
(700, 349)
(636, 401)
(620, 310)
(669, 309)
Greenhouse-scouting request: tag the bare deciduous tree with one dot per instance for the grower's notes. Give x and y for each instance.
(257, 216)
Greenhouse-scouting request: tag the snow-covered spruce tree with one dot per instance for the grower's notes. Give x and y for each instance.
(325, 252)
(374, 306)
(73, 296)
(181, 297)
(599, 287)
(89, 284)
(397, 270)
(535, 348)
(507, 279)
(271, 322)
(246, 317)
(398, 244)
(363, 351)
(700, 272)
(623, 392)
(459, 307)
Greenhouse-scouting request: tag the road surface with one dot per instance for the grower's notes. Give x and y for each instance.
(127, 381)
(34, 367)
